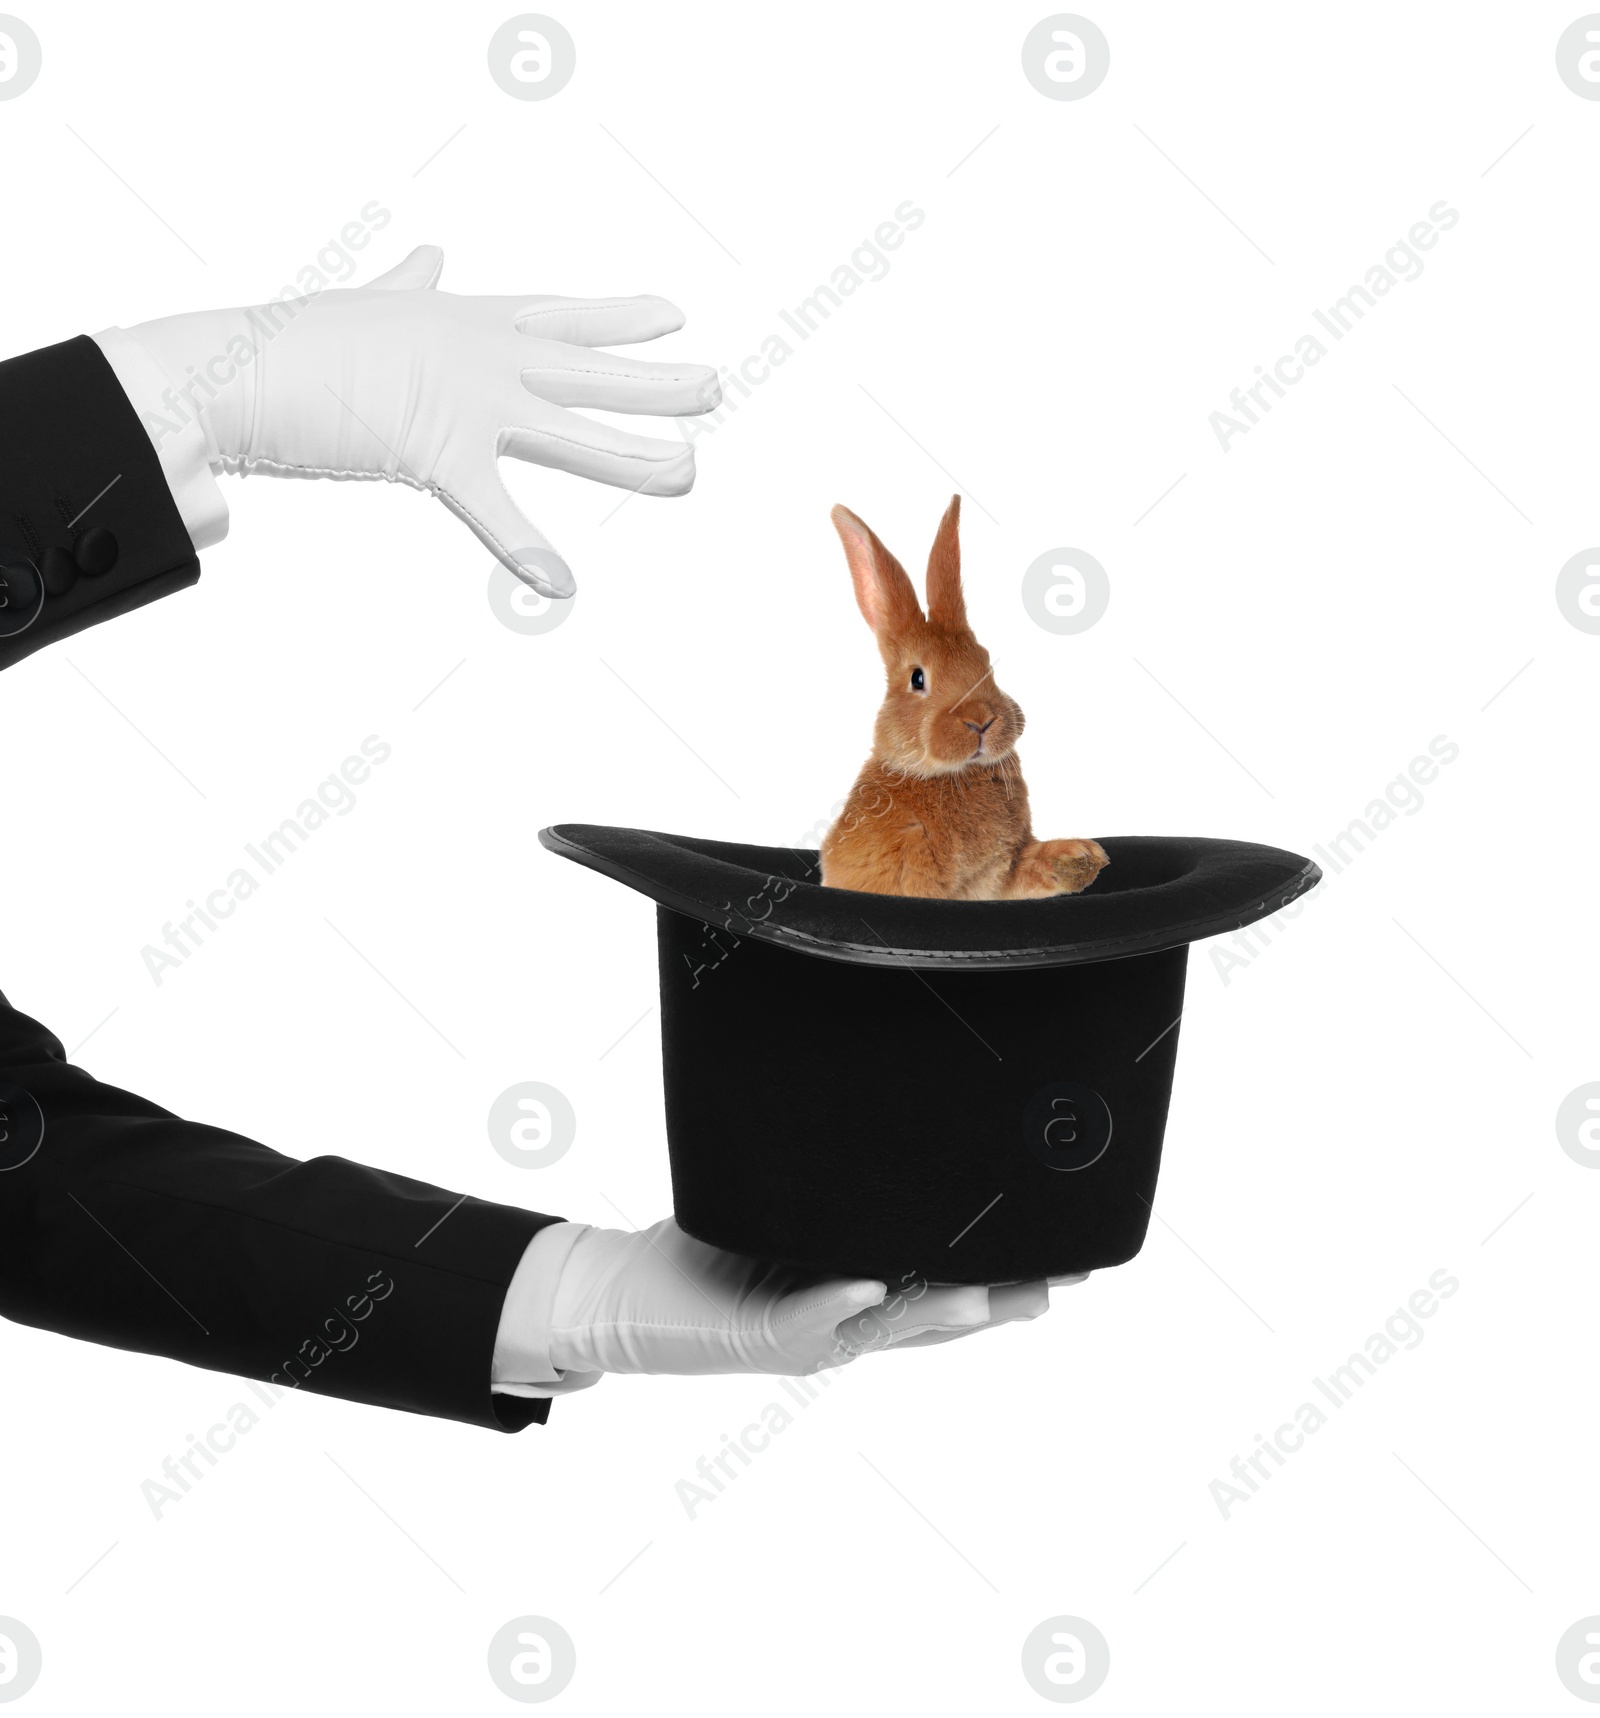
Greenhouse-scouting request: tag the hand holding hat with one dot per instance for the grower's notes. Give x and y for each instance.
(658, 1301)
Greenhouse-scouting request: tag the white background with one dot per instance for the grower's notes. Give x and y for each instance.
(1362, 1105)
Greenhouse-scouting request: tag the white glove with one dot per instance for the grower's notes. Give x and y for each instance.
(398, 381)
(659, 1301)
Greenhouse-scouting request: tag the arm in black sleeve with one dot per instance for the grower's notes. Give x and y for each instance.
(123, 1224)
(88, 525)
(119, 1222)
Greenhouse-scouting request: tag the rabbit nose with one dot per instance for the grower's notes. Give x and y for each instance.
(983, 727)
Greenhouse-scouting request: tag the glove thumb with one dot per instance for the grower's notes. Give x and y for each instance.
(419, 272)
(478, 497)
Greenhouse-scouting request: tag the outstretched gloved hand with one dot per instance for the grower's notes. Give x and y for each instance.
(659, 1301)
(399, 381)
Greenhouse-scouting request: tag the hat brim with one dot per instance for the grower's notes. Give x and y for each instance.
(1158, 892)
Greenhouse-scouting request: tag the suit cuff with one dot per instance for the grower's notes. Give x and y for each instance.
(177, 434)
(522, 1364)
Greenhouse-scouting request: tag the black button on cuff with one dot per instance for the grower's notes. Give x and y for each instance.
(60, 572)
(95, 552)
(21, 596)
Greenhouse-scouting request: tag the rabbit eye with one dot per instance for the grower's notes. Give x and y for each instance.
(918, 683)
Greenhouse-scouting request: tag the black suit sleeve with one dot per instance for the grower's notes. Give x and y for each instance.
(119, 1222)
(88, 526)
(122, 1224)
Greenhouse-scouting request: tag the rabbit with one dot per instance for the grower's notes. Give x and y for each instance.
(940, 808)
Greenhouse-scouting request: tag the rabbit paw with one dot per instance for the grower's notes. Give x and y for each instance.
(1075, 864)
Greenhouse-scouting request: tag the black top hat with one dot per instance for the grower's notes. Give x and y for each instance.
(887, 1086)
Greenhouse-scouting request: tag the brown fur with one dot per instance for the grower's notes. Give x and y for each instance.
(940, 808)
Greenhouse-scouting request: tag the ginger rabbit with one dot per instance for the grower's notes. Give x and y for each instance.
(940, 808)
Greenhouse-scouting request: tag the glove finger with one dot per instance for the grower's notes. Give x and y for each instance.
(419, 271)
(931, 1338)
(820, 1309)
(599, 321)
(1007, 1303)
(1018, 1300)
(957, 1308)
(802, 1329)
(565, 441)
(609, 383)
(484, 505)
(950, 1311)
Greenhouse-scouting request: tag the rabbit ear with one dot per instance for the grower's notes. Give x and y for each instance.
(946, 606)
(885, 596)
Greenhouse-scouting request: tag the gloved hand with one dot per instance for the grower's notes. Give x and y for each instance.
(399, 381)
(659, 1301)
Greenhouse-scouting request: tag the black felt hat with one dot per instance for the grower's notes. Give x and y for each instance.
(879, 1085)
